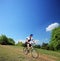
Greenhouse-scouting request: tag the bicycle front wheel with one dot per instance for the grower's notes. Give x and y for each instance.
(34, 53)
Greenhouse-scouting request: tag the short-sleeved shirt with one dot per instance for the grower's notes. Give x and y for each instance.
(29, 40)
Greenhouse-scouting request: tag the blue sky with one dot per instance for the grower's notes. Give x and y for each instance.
(20, 18)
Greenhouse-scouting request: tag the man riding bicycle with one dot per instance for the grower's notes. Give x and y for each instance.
(29, 47)
(28, 41)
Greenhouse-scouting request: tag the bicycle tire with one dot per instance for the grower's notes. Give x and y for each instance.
(25, 51)
(34, 53)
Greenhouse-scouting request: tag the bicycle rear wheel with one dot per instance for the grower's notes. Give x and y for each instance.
(34, 53)
(25, 51)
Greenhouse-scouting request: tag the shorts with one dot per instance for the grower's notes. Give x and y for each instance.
(27, 43)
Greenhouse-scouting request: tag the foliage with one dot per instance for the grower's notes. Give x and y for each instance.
(19, 44)
(4, 40)
(45, 46)
(24, 45)
(54, 43)
(11, 41)
(37, 46)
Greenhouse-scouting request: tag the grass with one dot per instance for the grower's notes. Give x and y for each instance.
(15, 53)
(11, 53)
(50, 53)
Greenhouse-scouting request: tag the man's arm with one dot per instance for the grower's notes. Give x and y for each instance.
(33, 41)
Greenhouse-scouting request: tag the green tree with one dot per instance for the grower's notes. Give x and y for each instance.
(3, 40)
(11, 41)
(55, 39)
(37, 46)
(19, 44)
(45, 46)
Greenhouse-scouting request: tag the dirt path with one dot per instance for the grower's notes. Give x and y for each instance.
(18, 55)
(42, 57)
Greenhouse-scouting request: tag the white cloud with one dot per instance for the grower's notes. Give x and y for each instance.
(23, 41)
(52, 26)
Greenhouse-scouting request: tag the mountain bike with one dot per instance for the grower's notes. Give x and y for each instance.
(32, 50)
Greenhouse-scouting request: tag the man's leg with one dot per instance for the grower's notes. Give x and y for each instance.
(28, 46)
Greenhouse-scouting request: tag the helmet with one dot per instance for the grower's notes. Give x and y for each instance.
(31, 34)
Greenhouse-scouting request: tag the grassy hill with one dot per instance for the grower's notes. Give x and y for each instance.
(15, 53)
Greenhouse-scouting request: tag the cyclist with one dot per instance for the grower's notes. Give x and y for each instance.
(28, 41)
